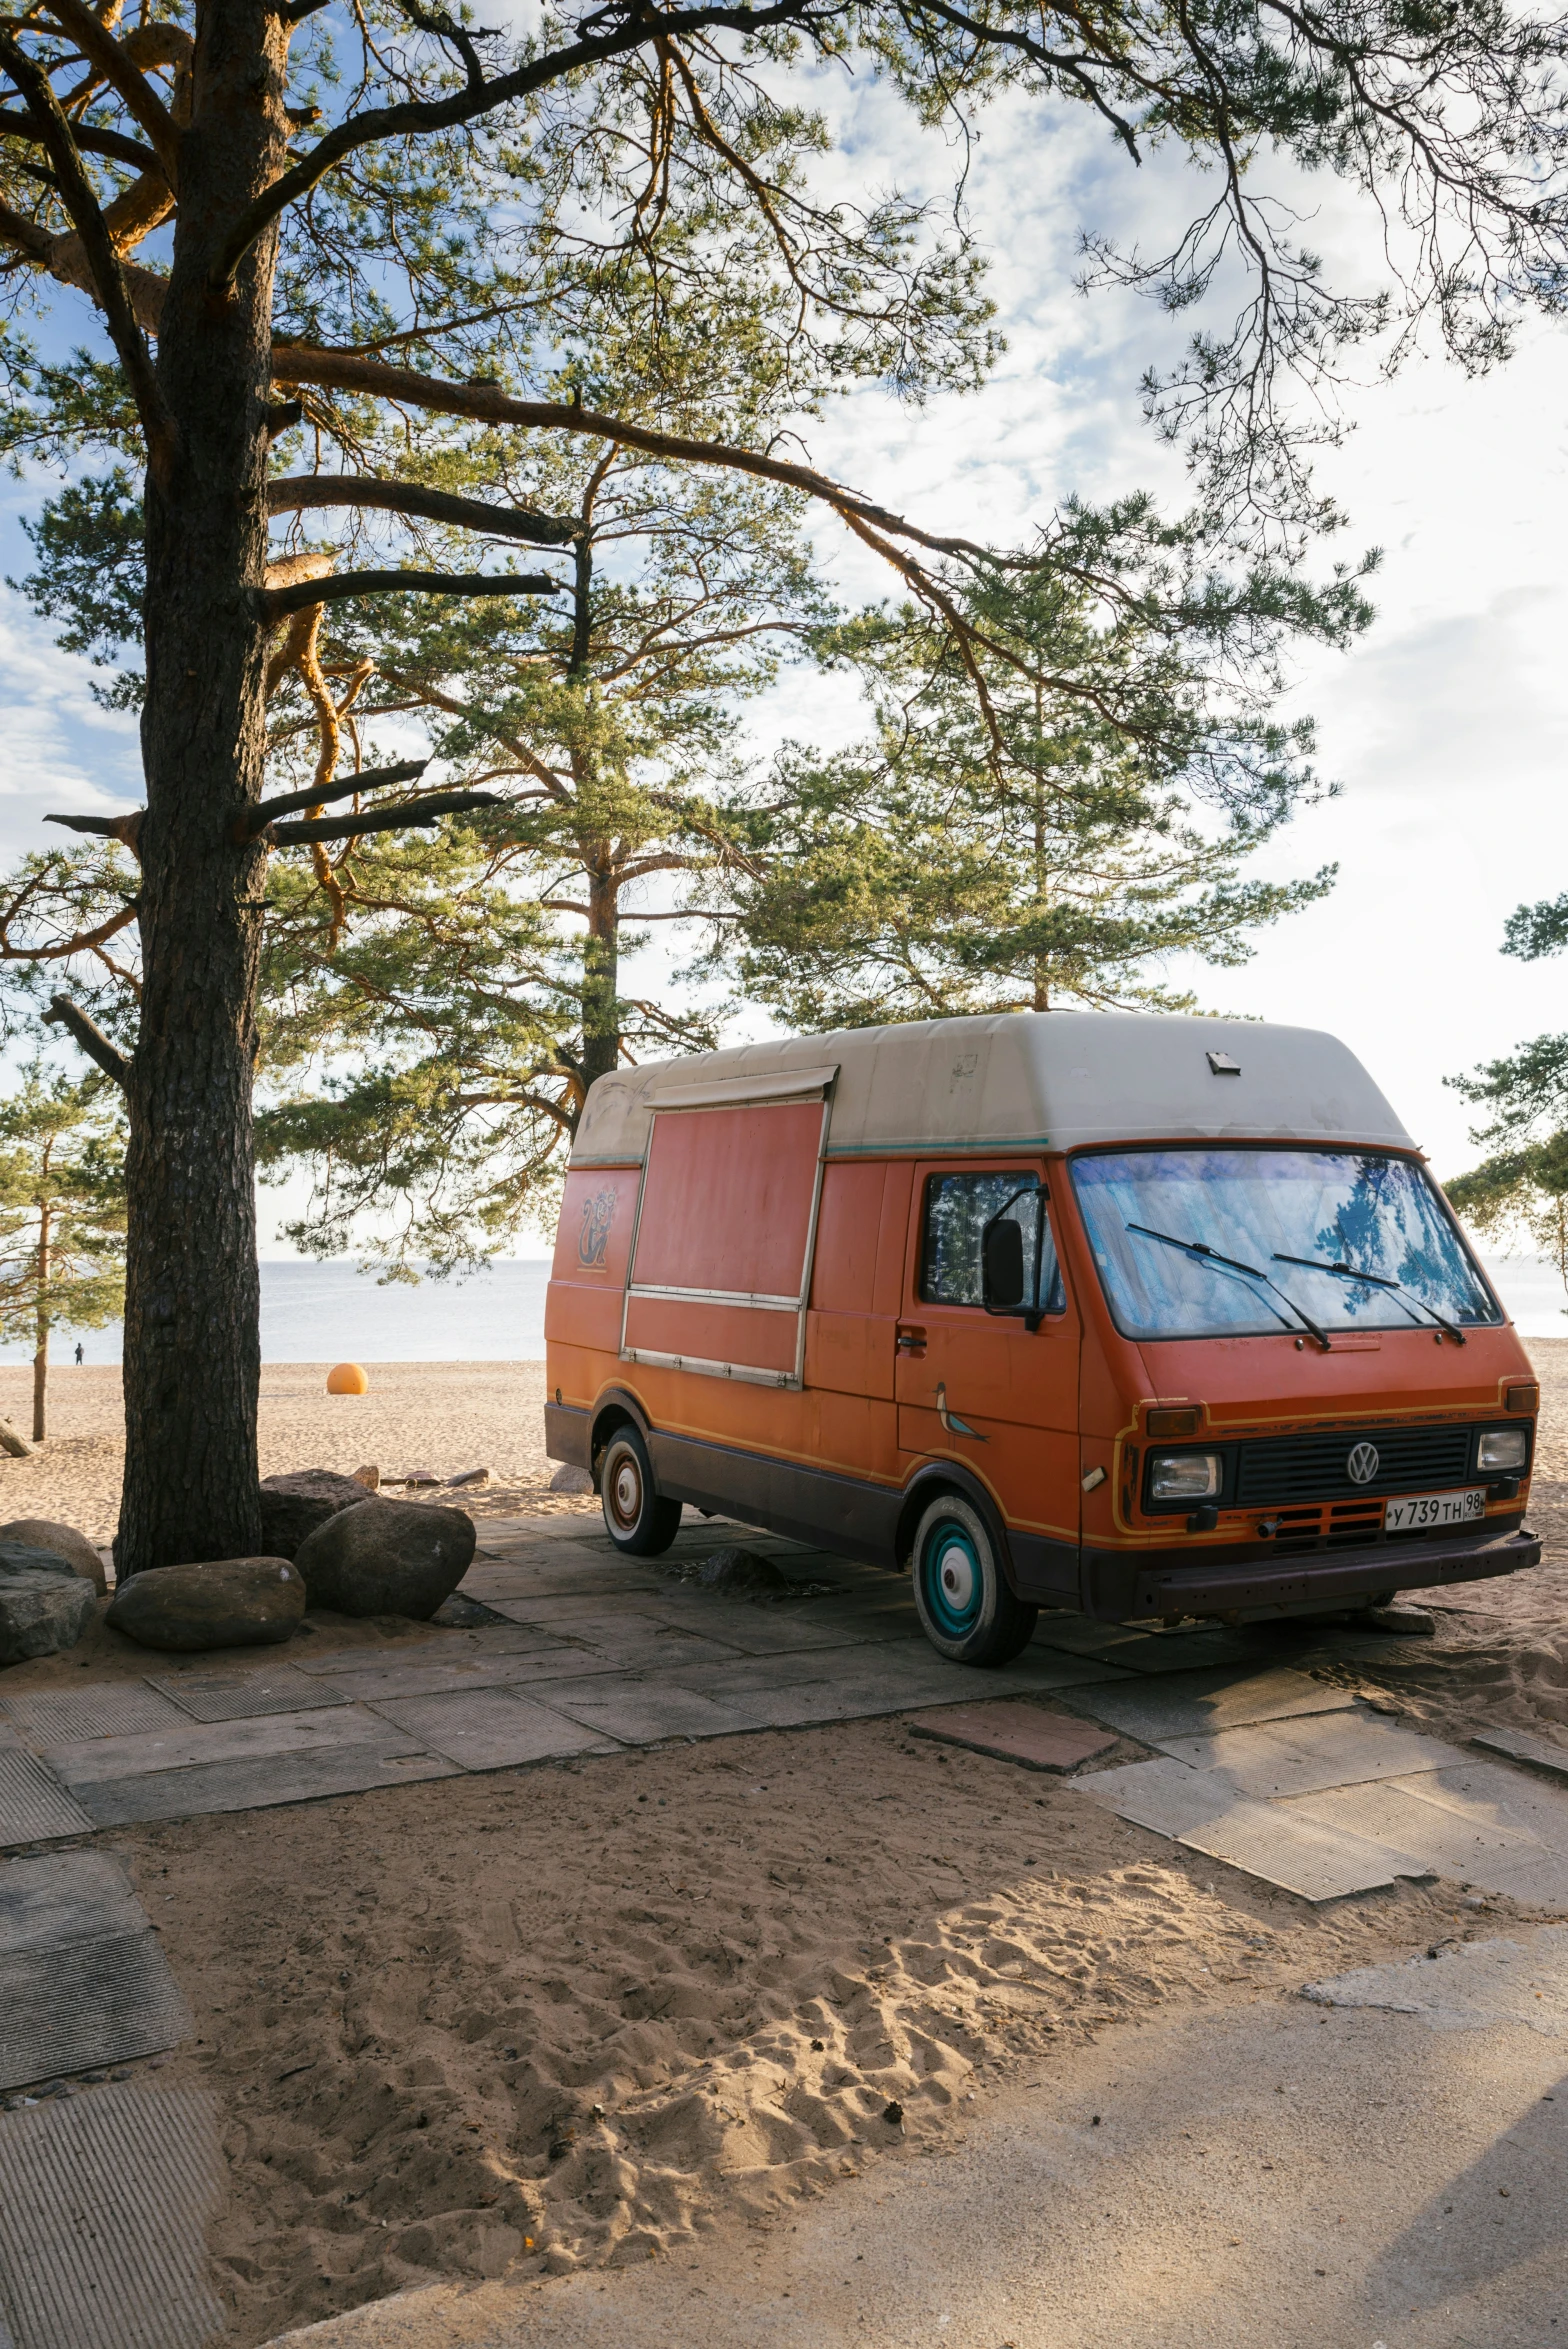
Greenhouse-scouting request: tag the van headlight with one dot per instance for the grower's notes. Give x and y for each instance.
(1503, 1451)
(1185, 1476)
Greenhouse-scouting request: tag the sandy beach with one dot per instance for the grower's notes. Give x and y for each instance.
(503, 2027)
(440, 1416)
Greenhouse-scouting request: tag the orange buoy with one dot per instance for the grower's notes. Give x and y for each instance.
(346, 1378)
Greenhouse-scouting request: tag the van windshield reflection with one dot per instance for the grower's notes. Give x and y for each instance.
(1347, 1208)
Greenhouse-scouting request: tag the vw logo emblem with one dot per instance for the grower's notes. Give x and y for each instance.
(1361, 1467)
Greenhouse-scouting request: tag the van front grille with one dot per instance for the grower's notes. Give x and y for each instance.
(1283, 1469)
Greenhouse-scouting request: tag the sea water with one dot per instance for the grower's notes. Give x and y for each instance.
(337, 1313)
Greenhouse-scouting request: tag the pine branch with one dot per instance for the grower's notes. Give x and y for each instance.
(99, 46)
(65, 1014)
(350, 371)
(126, 829)
(266, 811)
(92, 139)
(109, 279)
(411, 812)
(382, 123)
(276, 603)
(311, 491)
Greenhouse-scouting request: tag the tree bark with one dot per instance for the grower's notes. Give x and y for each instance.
(41, 1351)
(601, 970)
(192, 1349)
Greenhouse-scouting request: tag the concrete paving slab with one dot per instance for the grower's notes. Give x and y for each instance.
(1520, 1746)
(1140, 1649)
(34, 1806)
(756, 1630)
(1015, 1731)
(1303, 1756)
(1198, 1704)
(264, 1783)
(1466, 1845)
(492, 1729)
(1315, 1861)
(641, 1712)
(101, 1761)
(78, 2005)
(441, 1678)
(564, 1578)
(1490, 1793)
(1168, 1796)
(104, 1708)
(1473, 1986)
(56, 1897)
(103, 2207)
(238, 1696)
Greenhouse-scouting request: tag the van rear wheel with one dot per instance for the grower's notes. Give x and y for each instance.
(636, 1516)
(966, 1608)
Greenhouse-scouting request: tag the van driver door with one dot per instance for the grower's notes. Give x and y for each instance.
(984, 1387)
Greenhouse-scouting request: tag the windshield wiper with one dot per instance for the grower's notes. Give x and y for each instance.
(1207, 1255)
(1376, 1280)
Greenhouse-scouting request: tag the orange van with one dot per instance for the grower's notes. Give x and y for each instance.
(1147, 1316)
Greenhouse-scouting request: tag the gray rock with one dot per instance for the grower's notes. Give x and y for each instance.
(62, 1541)
(387, 1558)
(1410, 1622)
(45, 1605)
(739, 1569)
(229, 1603)
(571, 1480)
(293, 1506)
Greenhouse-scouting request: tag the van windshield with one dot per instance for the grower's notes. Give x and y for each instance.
(1299, 1227)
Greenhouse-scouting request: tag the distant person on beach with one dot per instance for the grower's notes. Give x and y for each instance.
(80, 1357)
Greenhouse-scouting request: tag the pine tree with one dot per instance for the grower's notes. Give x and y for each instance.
(277, 245)
(62, 1214)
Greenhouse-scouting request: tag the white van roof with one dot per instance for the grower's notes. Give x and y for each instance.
(1022, 1079)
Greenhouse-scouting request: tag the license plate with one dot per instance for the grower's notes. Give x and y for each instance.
(1434, 1509)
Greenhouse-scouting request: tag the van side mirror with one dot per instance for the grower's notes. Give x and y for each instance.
(1002, 1252)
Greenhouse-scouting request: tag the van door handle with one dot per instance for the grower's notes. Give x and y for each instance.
(909, 1340)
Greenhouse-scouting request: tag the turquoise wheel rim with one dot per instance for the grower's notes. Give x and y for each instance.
(952, 1581)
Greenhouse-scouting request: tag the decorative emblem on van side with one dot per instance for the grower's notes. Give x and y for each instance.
(594, 1236)
(1361, 1466)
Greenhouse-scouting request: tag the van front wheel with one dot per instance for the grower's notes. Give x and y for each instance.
(636, 1517)
(966, 1608)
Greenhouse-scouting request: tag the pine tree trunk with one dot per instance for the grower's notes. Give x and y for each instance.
(601, 973)
(41, 1349)
(192, 1349)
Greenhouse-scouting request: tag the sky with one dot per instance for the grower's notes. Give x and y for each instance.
(1445, 727)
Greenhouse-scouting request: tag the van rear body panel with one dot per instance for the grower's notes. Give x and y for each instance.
(769, 1260)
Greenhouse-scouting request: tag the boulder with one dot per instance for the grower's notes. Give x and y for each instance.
(293, 1506)
(45, 1605)
(61, 1541)
(231, 1603)
(387, 1558)
(571, 1480)
(735, 1568)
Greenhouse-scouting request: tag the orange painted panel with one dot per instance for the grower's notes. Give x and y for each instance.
(727, 1200)
(742, 1334)
(844, 1277)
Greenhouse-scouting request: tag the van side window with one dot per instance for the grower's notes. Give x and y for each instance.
(957, 1209)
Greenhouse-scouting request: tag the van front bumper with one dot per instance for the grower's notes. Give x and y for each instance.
(1121, 1589)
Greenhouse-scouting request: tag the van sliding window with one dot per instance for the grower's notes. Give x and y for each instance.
(957, 1209)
